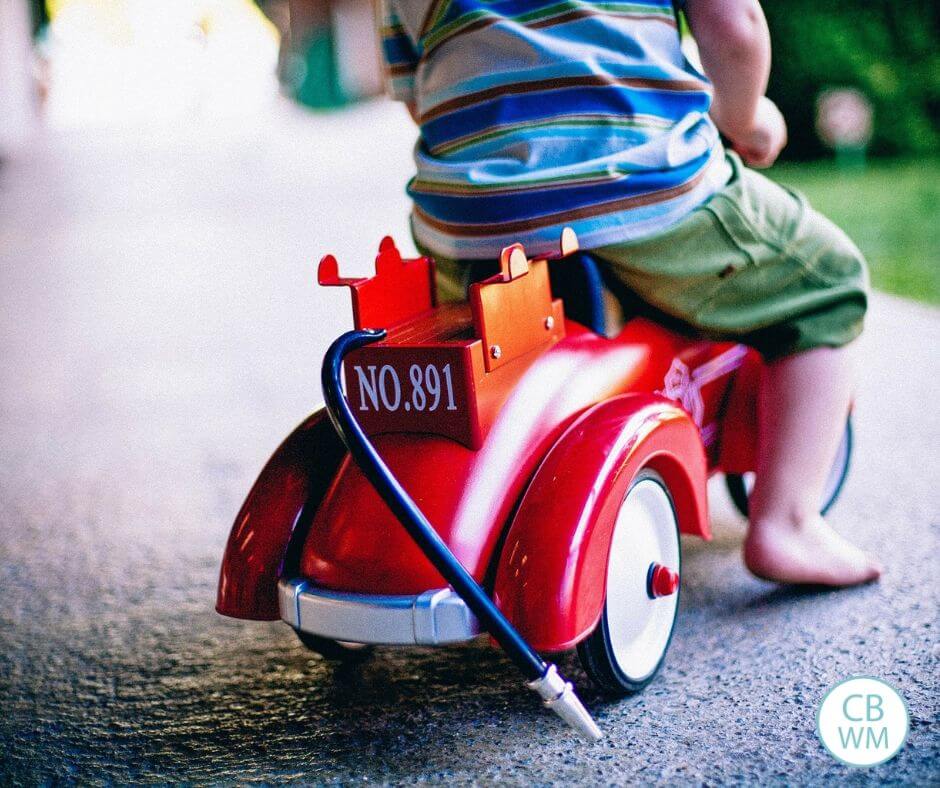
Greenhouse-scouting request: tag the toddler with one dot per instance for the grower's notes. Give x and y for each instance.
(536, 115)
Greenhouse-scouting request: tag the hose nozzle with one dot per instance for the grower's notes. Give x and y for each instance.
(559, 696)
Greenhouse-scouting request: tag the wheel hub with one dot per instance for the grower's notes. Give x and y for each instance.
(661, 581)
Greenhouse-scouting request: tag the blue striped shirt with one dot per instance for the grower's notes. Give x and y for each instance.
(536, 115)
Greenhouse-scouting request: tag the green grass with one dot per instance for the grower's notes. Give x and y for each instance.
(890, 209)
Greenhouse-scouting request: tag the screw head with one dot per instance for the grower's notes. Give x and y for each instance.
(549, 323)
(496, 351)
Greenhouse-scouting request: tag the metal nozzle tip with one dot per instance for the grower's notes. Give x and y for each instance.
(568, 706)
(560, 697)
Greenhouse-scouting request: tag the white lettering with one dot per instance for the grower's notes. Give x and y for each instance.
(367, 388)
(450, 388)
(383, 387)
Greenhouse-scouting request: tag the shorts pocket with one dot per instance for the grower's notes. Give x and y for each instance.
(828, 255)
(680, 269)
(762, 217)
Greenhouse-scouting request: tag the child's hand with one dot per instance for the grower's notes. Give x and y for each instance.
(760, 144)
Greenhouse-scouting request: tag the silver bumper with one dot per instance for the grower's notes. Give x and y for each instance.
(434, 617)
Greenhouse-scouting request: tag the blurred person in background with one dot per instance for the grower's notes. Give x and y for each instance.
(328, 53)
(535, 115)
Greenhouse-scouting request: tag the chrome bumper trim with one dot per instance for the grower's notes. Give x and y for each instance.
(432, 618)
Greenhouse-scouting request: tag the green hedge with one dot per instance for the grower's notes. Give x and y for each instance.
(887, 49)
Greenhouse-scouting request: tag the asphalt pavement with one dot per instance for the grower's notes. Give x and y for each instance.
(161, 331)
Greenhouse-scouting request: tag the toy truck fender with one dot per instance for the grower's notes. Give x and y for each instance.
(272, 523)
(551, 576)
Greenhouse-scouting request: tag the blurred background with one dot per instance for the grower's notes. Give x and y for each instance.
(858, 84)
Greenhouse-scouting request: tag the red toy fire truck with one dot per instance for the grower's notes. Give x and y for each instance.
(499, 466)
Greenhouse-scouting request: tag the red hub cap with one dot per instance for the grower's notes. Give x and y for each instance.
(662, 581)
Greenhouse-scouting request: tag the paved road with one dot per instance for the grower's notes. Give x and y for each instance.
(160, 332)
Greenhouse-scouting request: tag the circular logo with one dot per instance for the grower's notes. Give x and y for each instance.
(863, 721)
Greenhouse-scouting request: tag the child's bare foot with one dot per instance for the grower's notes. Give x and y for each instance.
(808, 553)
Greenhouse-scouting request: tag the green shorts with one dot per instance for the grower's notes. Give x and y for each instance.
(753, 264)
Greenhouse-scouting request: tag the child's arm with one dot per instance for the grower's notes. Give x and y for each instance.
(734, 46)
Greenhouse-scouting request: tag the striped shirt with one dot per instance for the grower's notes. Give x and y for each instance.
(541, 114)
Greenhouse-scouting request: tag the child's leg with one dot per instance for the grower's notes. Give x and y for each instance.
(804, 399)
(756, 264)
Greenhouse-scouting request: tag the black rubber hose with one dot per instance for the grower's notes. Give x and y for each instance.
(405, 509)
